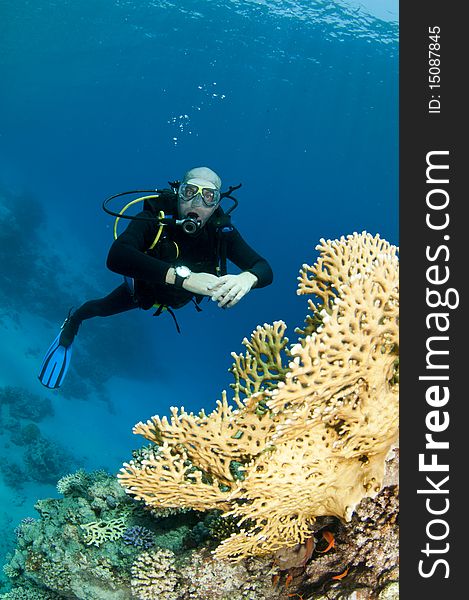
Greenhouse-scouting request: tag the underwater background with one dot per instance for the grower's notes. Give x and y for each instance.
(298, 101)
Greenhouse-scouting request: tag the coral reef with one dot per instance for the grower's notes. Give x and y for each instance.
(289, 491)
(304, 439)
(97, 533)
(43, 460)
(365, 550)
(154, 575)
(74, 483)
(198, 576)
(25, 435)
(138, 536)
(38, 458)
(19, 530)
(209, 578)
(46, 460)
(25, 405)
(27, 593)
(14, 476)
(78, 547)
(52, 552)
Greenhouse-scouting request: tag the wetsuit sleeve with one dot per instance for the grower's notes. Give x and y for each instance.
(127, 253)
(247, 259)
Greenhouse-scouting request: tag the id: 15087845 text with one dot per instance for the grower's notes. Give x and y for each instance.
(434, 70)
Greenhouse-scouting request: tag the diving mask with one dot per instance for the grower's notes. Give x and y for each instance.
(189, 192)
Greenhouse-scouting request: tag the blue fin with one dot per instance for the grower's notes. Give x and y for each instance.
(55, 364)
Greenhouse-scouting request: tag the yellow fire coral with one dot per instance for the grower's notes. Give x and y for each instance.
(311, 424)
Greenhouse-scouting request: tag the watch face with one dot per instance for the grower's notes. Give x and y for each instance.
(183, 271)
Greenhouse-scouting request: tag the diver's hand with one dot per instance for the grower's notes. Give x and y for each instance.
(229, 289)
(200, 283)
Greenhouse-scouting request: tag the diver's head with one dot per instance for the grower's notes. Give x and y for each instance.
(199, 195)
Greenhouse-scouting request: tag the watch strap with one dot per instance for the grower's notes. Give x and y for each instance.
(178, 280)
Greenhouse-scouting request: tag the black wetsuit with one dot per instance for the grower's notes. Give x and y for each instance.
(130, 255)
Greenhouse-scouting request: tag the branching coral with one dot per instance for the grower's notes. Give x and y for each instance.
(154, 575)
(200, 455)
(139, 537)
(29, 593)
(76, 546)
(72, 482)
(310, 438)
(261, 367)
(98, 532)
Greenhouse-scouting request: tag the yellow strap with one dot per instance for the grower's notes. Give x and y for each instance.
(160, 229)
(160, 216)
(158, 235)
(142, 199)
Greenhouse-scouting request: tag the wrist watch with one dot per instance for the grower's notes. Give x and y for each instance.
(182, 272)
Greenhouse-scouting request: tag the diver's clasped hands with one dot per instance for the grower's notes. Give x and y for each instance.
(229, 289)
(226, 290)
(199, 283)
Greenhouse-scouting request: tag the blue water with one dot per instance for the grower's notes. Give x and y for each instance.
(295, 100)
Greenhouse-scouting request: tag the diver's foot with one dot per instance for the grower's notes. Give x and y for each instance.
(69, 330)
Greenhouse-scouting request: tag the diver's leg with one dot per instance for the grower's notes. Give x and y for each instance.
(119, 300)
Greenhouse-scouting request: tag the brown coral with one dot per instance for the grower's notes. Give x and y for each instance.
(154, 575)
(310, 438)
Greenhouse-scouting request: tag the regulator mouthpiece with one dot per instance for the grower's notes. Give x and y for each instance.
(190, 225)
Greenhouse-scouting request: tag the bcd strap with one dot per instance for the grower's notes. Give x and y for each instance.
(197, 302)
(223, 226)
(163, 307)
(221, 249)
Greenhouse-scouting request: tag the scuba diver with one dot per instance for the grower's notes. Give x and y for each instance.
(173, 252)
